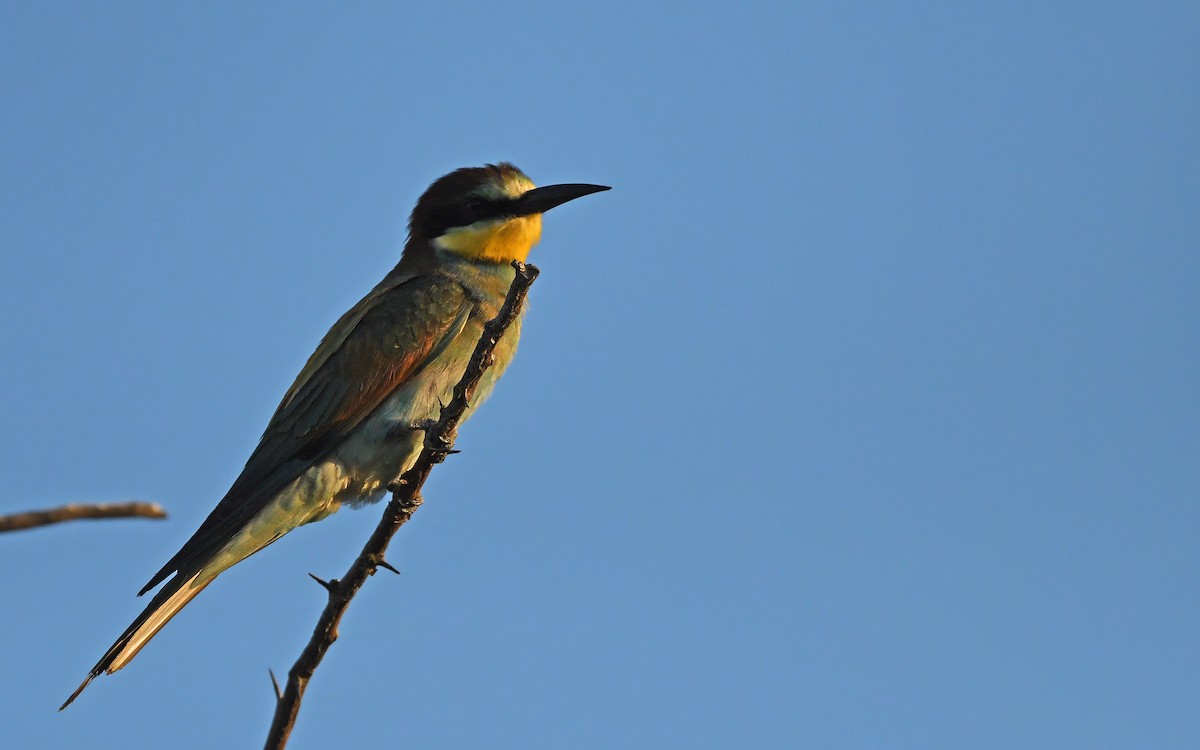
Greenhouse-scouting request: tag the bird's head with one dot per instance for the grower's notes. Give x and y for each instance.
(491, 213)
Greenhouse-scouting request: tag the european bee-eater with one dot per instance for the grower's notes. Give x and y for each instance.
(346, 429)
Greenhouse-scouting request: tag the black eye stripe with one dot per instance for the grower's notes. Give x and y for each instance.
(467, 212)
(482, 209)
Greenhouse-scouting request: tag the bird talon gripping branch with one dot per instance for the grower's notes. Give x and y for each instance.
(439, 444)
(424, 425)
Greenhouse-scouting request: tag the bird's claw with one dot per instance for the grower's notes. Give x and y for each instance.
(423, 425)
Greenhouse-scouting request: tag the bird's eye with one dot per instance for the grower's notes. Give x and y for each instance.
(475, 206)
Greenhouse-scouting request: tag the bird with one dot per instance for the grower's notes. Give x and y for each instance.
(349, 426)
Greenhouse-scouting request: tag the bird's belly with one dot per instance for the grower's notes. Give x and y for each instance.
(384, 446)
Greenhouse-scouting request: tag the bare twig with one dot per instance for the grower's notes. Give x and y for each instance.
(75, 511)
(406, 498)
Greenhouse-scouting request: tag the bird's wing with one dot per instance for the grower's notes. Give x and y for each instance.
(369, 353)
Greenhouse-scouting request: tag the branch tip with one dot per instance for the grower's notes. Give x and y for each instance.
(78, 511)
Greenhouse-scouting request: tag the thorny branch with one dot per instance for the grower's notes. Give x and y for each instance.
(406, 498)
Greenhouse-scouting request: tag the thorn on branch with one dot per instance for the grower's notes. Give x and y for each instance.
(275, 685)
(381, 563)
(330, 586)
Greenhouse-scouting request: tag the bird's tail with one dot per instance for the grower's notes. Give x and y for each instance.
(174, 595)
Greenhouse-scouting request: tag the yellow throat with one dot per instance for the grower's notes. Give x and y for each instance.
(500, 240)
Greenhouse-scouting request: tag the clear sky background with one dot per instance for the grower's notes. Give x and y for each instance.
(862, 413)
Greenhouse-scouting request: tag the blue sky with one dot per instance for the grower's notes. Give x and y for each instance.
(861, 413)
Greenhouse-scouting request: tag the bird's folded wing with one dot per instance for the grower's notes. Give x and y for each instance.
(370, 352)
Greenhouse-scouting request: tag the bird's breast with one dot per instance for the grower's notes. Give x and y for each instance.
(385, 445)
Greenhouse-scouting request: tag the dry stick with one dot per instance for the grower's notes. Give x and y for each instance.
(75, 511)
(406, 498)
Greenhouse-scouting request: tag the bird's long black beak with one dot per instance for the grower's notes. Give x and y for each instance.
(541, 200)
